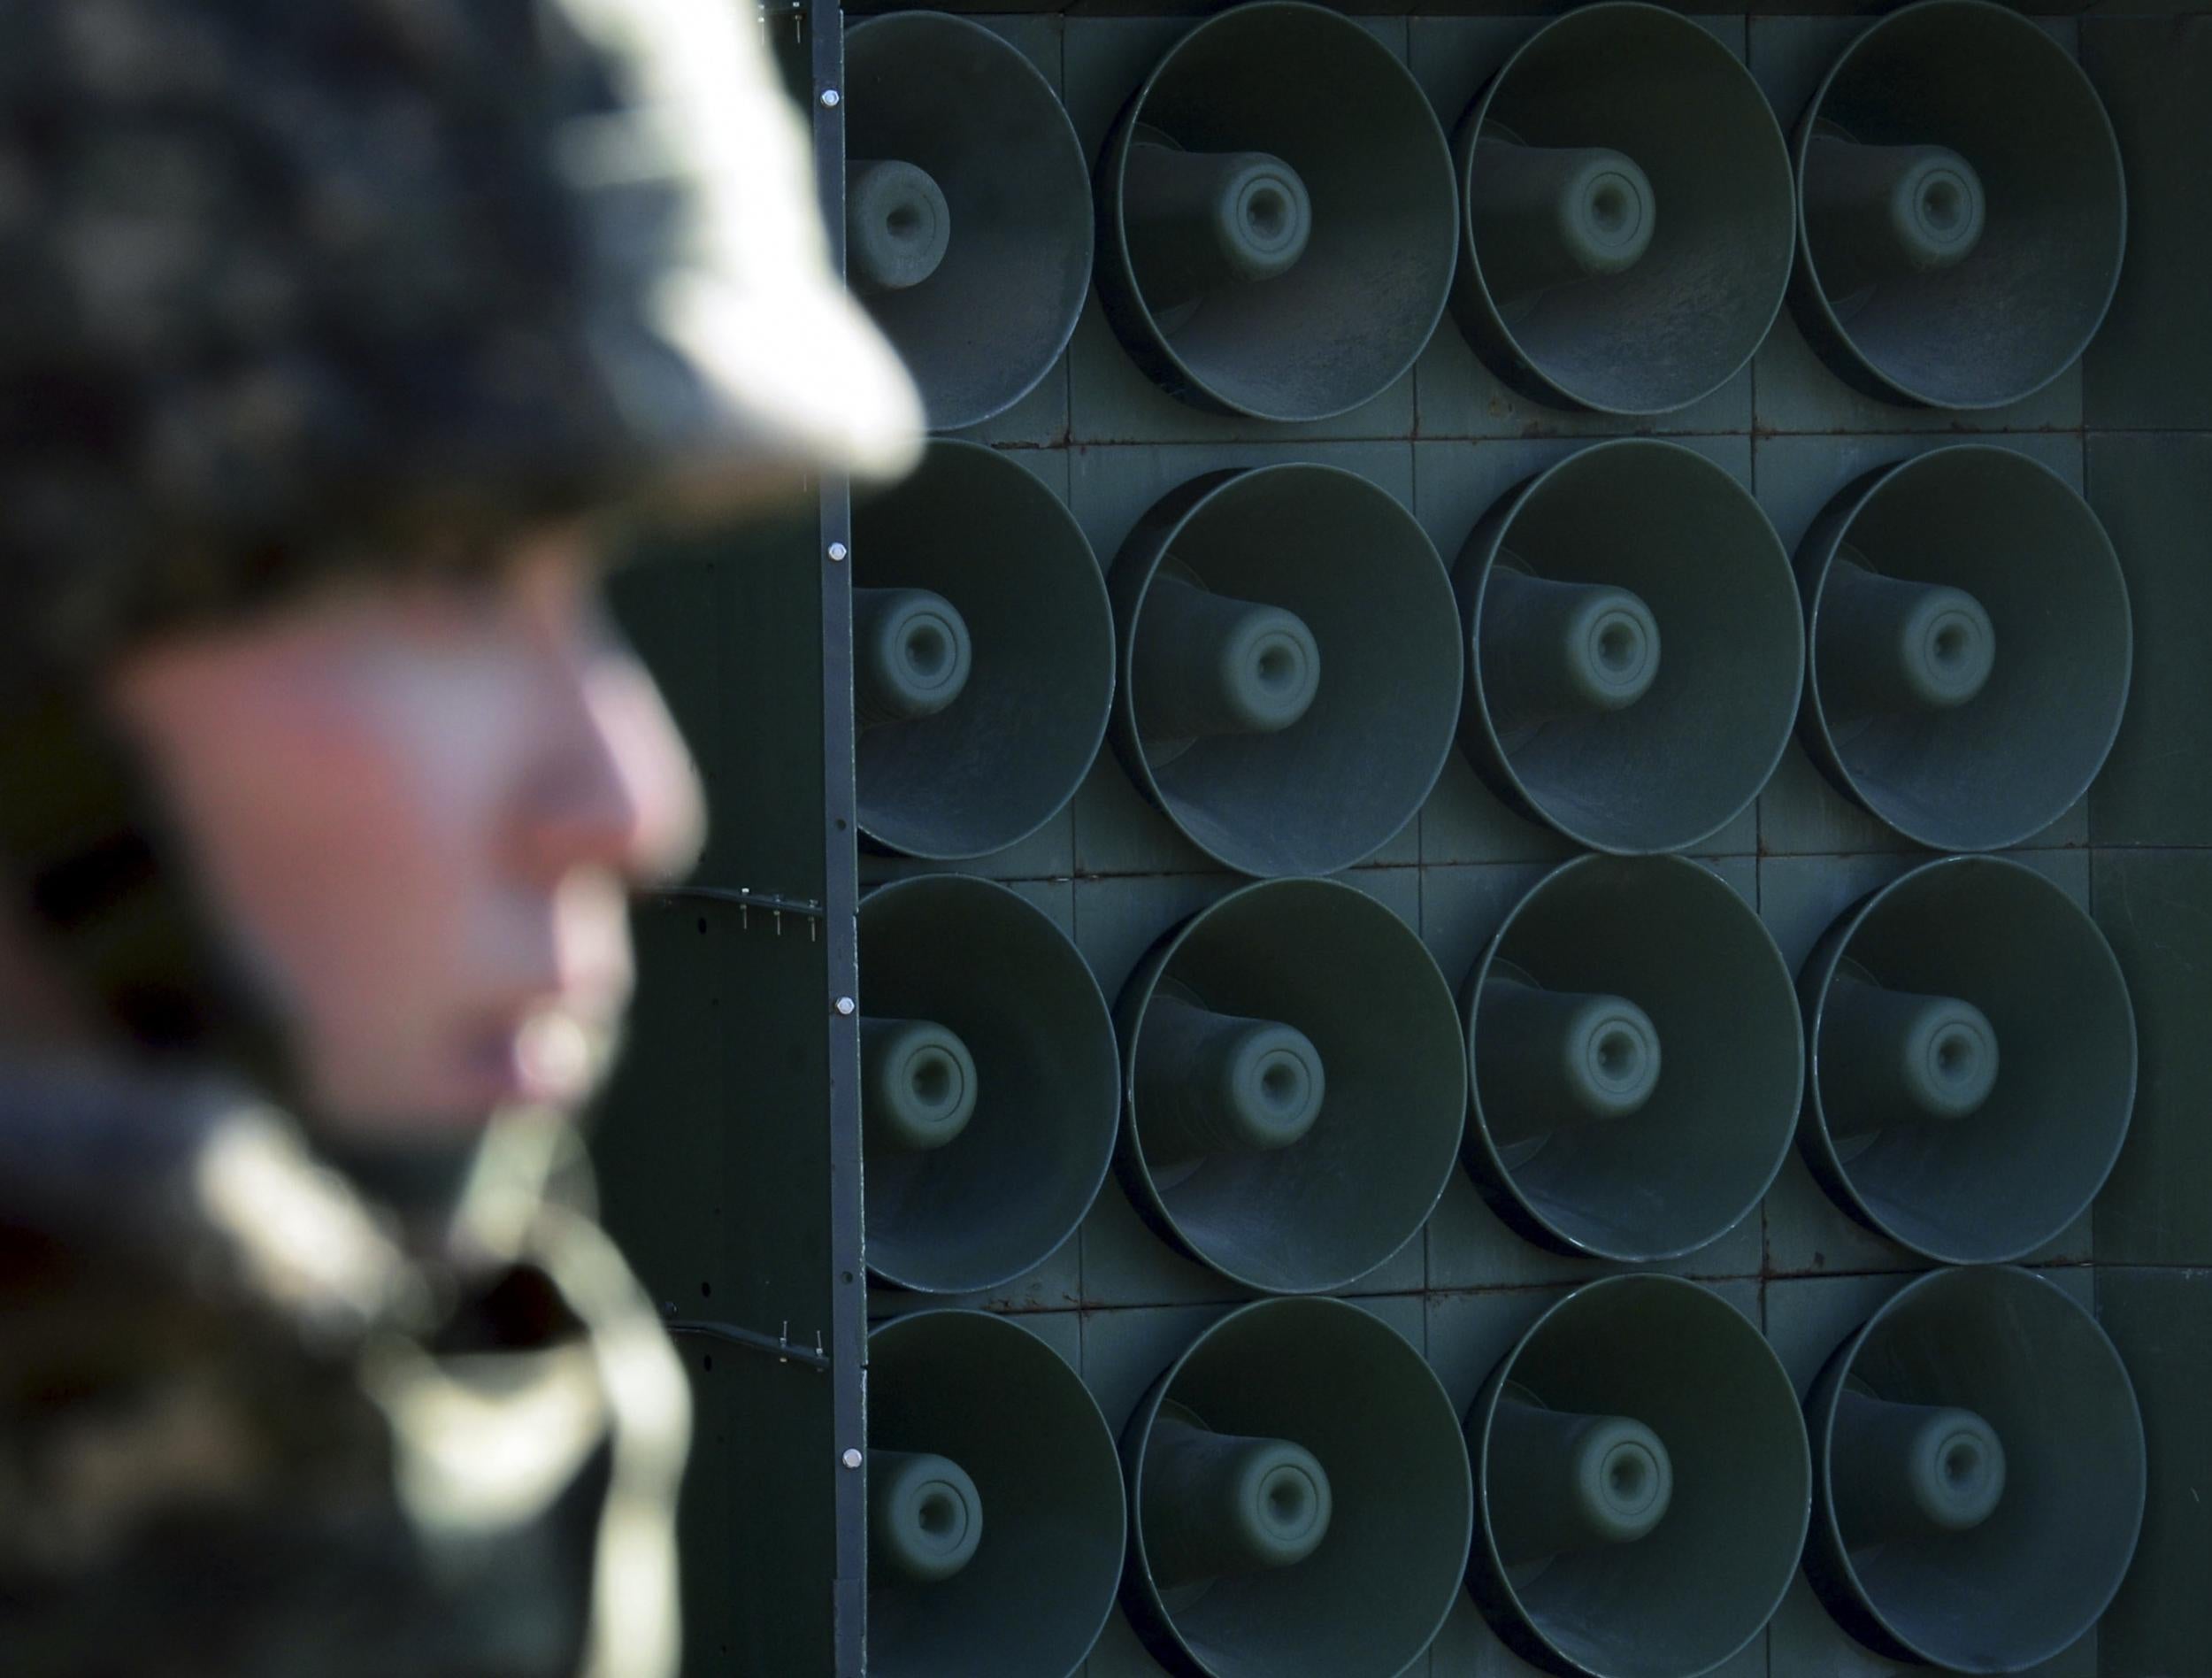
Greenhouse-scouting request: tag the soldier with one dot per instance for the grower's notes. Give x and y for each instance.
(332, 334)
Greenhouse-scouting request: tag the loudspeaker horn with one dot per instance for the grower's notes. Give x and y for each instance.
(1973, 1060)
(1301, 1502)
(1643, 1483)
(1628, 222)
(1969, 642)
(1290, 665)
(1276, 216)
(1978, 1474)
(1635, 647)
(1637, 1061)
(1961, 209)
(1296, 1087)
(967, 210)
(997, 1517)
(990, 1084)
(983, 656)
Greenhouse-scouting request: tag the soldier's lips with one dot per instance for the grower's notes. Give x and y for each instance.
(550, 1058)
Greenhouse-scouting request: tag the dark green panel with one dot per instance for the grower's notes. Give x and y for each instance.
(2156, 909)
(2154, 495)
(714, 1148)
(2152, 365)
(715, 1161)
(731, 626)
(2161, 1322)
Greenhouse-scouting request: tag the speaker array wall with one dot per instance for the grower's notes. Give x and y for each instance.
(1978, 1474)
(1300, 1497)
(983, 656)
(1276, 216)
(1627, 213)
(1974, 1055)
(1277, 212)
(1642, 1481)
(996, 1515)
(1296, 1087)
(990, 1084)
(1279, 653)
(1290, 665)
(1637, 1061)
(1636, 653)
(1971, 646)
(1962, 208)
(968, 210)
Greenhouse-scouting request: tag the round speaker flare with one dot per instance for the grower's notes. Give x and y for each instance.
(1300, 1496)
(1973, 1060)
(1978, 1474)
(1635, 644)
(1643, 1481)
(1961, 209)
(1296, 1086)
(1637, 1059)
(990, 1084)
(991, 1480)
(1290, 665)
(1627, 220)
(1970, 643)
(1276, 221)
(967, 210)
(983, 657)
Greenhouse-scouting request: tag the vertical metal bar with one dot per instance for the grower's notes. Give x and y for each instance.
(848, 1327)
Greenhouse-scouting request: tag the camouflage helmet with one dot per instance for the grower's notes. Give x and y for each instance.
(290, 287)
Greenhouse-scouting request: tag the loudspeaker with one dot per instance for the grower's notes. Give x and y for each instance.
(1637, 1056)
(1643, 1483)
(967, 210)
(1296, 1085)
(1300, 1499)
(1971, 646)
(1636, 651)
(1978, 1474)
(1961, 209)
(1629, 214)
(1276, 216)
(996, 1517)
(1290, 665)
(1973, 1060)
(983, 656)
(990, 1084)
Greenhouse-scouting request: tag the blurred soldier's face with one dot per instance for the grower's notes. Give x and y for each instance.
(420, 806)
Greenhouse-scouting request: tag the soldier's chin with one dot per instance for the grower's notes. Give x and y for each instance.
(552, 1061)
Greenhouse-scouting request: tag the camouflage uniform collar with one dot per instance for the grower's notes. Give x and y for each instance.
(189, 1178)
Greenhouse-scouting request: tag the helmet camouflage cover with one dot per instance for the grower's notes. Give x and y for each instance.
(287, 288)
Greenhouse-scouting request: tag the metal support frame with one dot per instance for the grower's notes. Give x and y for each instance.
(779, 1347)
(849, 1325)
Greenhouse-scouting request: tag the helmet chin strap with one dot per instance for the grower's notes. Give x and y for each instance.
(111, 904)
